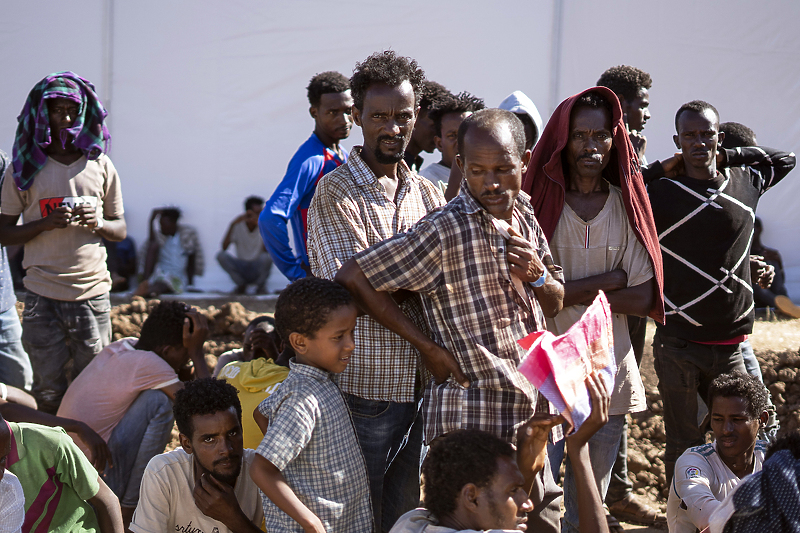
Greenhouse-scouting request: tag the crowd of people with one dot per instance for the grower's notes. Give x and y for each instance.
(392, 358)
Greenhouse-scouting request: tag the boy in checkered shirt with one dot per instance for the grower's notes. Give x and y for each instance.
(309, 465)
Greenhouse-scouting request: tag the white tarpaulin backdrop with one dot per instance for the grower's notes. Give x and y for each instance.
(207, 99)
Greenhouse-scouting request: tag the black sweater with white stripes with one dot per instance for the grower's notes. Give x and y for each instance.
(705, 228)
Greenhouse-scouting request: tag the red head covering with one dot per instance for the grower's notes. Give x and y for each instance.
(544, 182)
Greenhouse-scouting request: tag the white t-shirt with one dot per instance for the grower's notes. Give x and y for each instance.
(436, 172)
(584, 249)
(248, 243)
(166, 503)
(700, 483)
(12, 504)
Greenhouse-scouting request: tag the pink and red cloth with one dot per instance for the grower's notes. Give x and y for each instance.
(558, 366)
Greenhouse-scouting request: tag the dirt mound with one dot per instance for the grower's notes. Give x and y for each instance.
(226, 325)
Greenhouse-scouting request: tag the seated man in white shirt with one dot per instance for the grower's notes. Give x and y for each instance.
(205, 485)
(252, 263)
(705, 474)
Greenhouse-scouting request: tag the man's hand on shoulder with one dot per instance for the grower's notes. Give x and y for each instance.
(674, 166)
(523, 260)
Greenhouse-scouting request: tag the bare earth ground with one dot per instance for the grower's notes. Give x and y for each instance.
(776, 346)
(775, 343)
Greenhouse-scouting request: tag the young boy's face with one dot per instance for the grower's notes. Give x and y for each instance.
(330, 348)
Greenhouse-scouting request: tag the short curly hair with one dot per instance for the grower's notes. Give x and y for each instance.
(326, 83)
(204, 397)
(696, 106)
(163, 326)
(304, 306)
(388, 68)
(432, 94)
(453, 103)
(489, 118)
(743, 385)
(456, 459)
(737, 135)
(625, 81)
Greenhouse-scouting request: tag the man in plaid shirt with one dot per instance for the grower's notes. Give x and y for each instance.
(487, 279)
(368, 199)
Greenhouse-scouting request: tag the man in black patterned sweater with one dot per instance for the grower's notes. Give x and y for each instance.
(704, 217)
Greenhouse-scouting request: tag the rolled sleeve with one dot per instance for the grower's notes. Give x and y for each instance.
(410, 261)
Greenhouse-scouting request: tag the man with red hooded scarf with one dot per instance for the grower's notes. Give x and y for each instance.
(589, 197)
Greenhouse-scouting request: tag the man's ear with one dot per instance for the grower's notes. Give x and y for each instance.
(356, 116)
(469, 497)
(677, 143)
(186, 444)
(720, 137)
(526, 159)
(460, 164)
(298, 342)
(313, 112)
(437, 142)
(763, 418)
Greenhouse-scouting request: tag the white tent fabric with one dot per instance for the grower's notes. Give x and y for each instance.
(207, 99)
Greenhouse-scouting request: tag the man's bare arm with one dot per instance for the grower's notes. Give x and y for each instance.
(579, 291)
(382, 307)
(106, 507)
(11, 233)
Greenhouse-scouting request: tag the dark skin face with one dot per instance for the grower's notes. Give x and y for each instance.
(387, 122)
(333, 118)
(698, 139)
(259, 343)
(589, 144)
(251, 216)
(62, 113)
(636, 113)
(505, 500)
(502, 504)
(330, 347)
(447, 144)
(216, 444)
(735, 432)
(493, 168)
(422, 139)
(168, 226)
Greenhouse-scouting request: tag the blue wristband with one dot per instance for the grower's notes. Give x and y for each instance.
(541, 281)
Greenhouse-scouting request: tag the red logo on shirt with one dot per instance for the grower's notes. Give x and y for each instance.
(48, 205)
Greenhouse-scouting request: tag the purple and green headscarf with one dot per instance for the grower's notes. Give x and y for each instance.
(89, 132)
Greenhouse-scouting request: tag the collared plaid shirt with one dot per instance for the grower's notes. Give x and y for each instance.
(457, 261)
(349, 213)
(312, 441)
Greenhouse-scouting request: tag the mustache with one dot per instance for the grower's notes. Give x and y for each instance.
(382, 138)
(232, 458)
